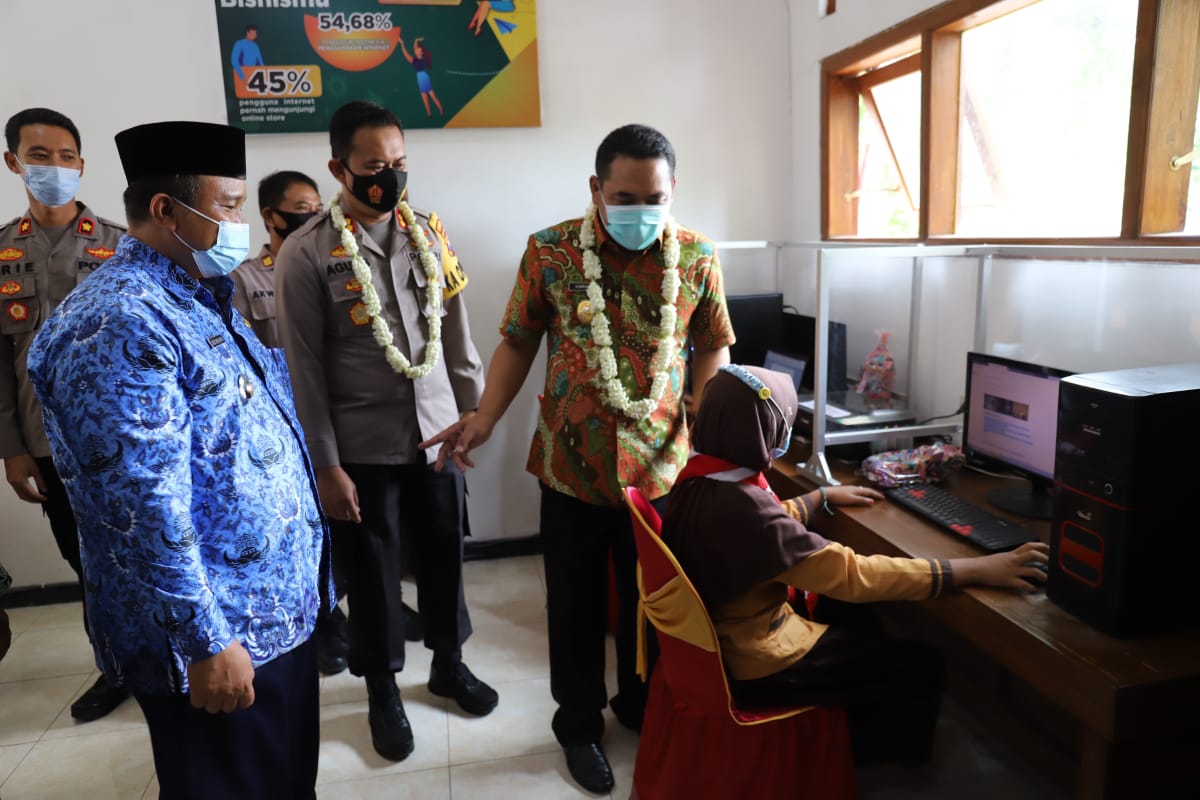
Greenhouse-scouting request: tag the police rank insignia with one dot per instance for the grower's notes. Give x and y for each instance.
(26, 227)
(18, 312)
(454, 279)
(359, 315)
(11, 254)
(268, 262)
(86, 226)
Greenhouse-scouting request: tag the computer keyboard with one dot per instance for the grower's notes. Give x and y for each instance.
(964, 519)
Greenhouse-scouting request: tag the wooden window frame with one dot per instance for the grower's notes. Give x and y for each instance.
(1166, 68)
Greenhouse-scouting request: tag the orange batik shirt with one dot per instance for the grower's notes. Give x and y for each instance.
(582, 448)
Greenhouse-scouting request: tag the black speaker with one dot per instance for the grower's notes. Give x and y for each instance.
(1124, 545)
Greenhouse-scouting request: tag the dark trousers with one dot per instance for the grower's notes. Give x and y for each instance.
(891, 688)
(266, 751)
(399, 502)
(577, 539)
(57, 509)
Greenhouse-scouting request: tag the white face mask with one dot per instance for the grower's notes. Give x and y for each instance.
(227, 253)
(54, 186)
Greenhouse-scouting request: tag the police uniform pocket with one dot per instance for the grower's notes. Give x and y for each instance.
(419, 283)
(262, 306)
(349, 312)
(20, 310)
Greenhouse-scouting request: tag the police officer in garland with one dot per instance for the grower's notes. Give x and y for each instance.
(287, 200)
(379, 349)
(57, 243)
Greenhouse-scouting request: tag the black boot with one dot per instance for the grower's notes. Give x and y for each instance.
(391, 735)
(98, 701)
(333, 642)
(451, 678)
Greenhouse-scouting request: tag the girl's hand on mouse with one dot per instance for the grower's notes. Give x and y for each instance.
(1011, 570)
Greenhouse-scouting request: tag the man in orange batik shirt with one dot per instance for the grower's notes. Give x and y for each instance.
(618, 294)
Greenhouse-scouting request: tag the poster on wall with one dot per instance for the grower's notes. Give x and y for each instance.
(289, 64)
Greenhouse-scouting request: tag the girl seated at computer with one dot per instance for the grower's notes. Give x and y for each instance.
(743, 550)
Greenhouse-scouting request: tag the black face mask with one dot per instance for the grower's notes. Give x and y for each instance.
(294, 221)
(380, 191)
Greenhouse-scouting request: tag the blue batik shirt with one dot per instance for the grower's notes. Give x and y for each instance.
(174, 431)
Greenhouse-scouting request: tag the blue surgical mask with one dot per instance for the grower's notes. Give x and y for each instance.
(780, 452)
(229, 251)
(54, 186)
(635, 227)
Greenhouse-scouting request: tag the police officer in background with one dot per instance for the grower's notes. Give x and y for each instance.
(380, 353)
(286, 200)
(44, 253)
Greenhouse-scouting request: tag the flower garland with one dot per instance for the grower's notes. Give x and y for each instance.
(612, 391)
(433, 291)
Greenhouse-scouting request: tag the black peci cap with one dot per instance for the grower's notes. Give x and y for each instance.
(182, 148)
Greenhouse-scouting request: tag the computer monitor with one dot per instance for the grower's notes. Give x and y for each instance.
(800, 340)
(1011, 424)
(756, 321)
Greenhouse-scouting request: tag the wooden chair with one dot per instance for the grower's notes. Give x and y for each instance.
(695, 741)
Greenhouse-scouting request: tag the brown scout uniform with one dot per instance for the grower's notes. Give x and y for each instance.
(35, 276)
(353, 406)
(254, 296)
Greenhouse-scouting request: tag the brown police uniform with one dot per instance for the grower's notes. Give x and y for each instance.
(36, 274)
(254, 295)
(360, 414)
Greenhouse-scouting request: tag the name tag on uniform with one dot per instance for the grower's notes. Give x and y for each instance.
(577, 287)
(216, 341)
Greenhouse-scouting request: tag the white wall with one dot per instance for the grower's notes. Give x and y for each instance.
(714, 79)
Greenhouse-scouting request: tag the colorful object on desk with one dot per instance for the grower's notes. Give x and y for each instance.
(928, 463)
(878, 372)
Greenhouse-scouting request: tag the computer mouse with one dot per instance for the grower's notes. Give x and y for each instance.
(1045, 570)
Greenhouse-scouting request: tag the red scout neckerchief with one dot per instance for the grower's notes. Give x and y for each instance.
(718, 469)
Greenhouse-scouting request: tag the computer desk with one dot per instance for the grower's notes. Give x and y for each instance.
(1137, 701)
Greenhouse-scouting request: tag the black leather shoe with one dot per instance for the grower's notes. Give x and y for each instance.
(391, 735)
(331, 652)
(472, 695)
(589, 767)
(414, 626)
(98, 701)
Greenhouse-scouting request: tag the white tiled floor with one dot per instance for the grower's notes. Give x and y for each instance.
(45, 755)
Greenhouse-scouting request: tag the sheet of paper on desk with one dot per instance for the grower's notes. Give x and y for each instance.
(830, 409)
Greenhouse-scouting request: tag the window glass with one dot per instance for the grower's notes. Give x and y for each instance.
(890, 188)
(1044, 120)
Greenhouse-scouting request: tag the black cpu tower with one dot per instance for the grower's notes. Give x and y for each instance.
(1125, 541)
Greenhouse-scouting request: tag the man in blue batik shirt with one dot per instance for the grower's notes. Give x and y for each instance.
(173, 428)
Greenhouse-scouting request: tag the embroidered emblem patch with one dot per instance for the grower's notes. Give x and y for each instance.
(10, 288)
(18, 312)
(11, 254)
(353, 285)
(375, 194)
(339, 252)
(359, 315)
(101, 252)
